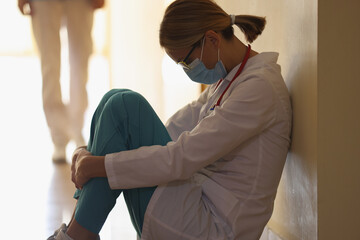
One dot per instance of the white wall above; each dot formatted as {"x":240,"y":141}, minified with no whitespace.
{"x":139,"y":63}
{"x":135,"y":53}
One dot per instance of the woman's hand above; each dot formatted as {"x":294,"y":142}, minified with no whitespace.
{"x":85,"y":166}
{"x":79,"y":175}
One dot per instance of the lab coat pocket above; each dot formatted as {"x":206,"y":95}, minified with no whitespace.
{"x":222,"y":199}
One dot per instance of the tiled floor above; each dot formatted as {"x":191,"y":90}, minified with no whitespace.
{"x":36,"y":196}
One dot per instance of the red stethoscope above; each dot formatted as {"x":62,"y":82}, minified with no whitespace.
{"x":236,"y":75}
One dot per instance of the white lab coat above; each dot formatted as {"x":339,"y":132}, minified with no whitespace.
{"x":218,"y":178}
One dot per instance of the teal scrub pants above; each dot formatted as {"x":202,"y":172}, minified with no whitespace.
{"x":124,"y":120}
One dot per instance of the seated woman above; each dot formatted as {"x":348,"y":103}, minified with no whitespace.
{"x":213,"y":171}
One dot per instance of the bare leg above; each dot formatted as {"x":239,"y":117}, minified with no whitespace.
{"x":77,"y":232}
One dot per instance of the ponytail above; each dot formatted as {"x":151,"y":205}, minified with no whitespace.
{"x":251,"y":26}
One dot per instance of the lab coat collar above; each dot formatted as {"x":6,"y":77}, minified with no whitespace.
{"x":257,"y":60}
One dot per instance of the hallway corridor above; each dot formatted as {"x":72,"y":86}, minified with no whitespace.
{"x":36,"y":195}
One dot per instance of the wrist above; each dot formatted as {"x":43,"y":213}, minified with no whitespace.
{"x":95,"y":166}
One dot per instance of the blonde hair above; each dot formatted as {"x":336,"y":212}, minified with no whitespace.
{"x":186,"y":21}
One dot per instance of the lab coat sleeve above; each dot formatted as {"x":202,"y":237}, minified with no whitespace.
{"x":186,"y":118}
{"x":248,"y":110}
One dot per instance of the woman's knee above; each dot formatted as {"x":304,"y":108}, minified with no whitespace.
{"x":129,"y":98}
{"x":126,"y":102}
{"x":109,"y":101}
{"x":111,"y":93}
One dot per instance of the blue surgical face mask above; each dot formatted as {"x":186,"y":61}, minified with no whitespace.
{"x":200,"y":74}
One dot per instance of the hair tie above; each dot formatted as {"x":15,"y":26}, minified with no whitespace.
{"x":232,"y":19}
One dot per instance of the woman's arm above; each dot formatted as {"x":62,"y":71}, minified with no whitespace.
{"x":186,"y":118}
{"x":245,"y":113}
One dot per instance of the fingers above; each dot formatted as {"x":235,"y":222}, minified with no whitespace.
{"x":78,"y":172}
{"x":79,"y":149}
{"x":80,"y":180}
{"x":73,"y":178}
{"x":79,"y":152}
{"x":73,"y":167}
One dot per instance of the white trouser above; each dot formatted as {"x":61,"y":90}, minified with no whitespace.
{"x":64,"y":121}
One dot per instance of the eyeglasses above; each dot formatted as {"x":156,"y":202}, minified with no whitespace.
{"x":183,"y":63}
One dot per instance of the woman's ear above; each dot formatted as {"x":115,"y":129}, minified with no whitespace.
{"x":213,"y":38}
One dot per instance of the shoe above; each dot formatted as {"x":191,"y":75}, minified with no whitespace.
{"x":62,"y":236}
{"x":59,"y":155}
{"x":63,"y":228}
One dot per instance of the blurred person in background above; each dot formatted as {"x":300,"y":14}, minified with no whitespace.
{"x":65,"y":120}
